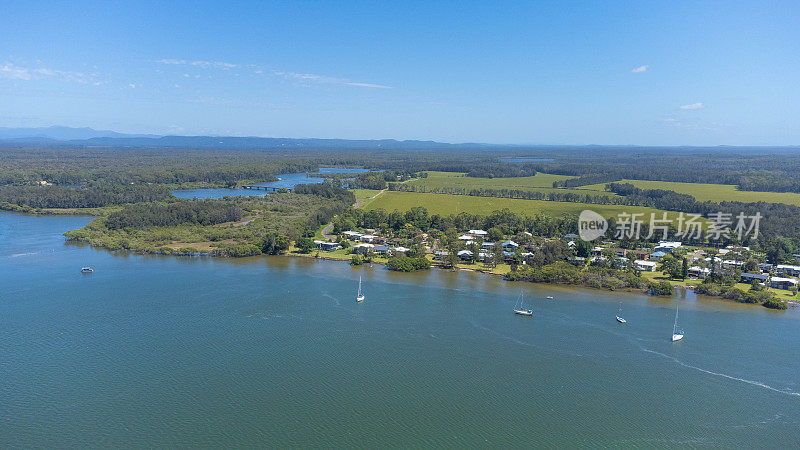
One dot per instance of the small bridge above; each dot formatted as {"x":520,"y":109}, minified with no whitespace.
{"x":265,"y":188}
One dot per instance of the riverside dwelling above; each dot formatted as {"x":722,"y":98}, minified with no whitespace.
{"x":510,"y":245}
{"x":381,"y":249}
{"x":783,"y":283}
{"x":785,"y":269}
{"x":698,"y":272}
{"x":464,"y":254}
{"x":400,"y":250}
{"x":352,"y":235}
{"x":759,"y":277}
{"x":645,"y":266}
{"x":363,"y":247}
{"x":327,"y":246}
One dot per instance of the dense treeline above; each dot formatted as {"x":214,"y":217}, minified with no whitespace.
{"x":341,"y":201}
{"x":91,"y":197}
{"x":201,"y":212}
{"x":418,"y":217}
{"x":553,"y":196}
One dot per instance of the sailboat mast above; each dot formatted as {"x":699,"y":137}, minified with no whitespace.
{"x":675,"y":325}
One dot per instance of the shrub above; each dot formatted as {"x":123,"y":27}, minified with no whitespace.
{"x":775,"y":304}
{"x":403,"y":263}
{"x":304,"y":244}
{"x":356,"y":260}
{"x":661,"y":288}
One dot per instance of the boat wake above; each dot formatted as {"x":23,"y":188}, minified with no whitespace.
{"x":722,"y":375}
{"x":335,"y":300}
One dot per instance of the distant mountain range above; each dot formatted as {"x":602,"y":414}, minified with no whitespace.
{"x":88,"y":137}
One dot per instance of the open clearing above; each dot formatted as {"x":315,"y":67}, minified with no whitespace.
{"x":541,"y":182}
{"x":444,"y":204}
{"x":710,"y":192}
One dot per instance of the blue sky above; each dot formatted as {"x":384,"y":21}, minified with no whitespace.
{"x":561,"y":72}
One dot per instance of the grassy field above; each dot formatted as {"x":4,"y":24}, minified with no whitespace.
{"x":542,"y":182}
{"x":453,"y":204}
{"x":711,"y":192}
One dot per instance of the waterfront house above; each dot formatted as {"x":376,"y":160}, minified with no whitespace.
{"x":368,"y":238}
{"x":645,"y":266}
{"x":363,"y":247}
{"x":465,"y":237}
{"x":400,"y":250}
{"x":381,"y":249}
{"x":488,"y":245}
{"x":441,"y":255}
{"x":750,"y":277}
{"x":785,"y":269}
{"x":510,"y":244}
{"x":464,"y":254}
{"x":783,"y":283}
{"x":656,"y":256}
{"x":327,"y":246}
{"x":477,"y":233}
{"x":352,"y":235}
{"x":698,"y":272}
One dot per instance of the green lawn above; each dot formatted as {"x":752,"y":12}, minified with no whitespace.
{"x":453,"y":204}
{"x":541,"y":182}
{"x":711,"y":192}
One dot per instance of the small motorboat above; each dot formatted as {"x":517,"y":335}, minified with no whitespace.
{"x":621,"y":320}
{"x":677,"y":336}
{"x":86,"y":270}
{"x":549,"y":297}
{"x":524,"y":312}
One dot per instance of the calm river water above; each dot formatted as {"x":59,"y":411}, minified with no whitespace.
{"x":152,"y":351}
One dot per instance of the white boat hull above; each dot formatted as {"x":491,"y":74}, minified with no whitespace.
{"x":523,"y":312}
{"x":360,"y":298}
{"x":621,"y":320}
{"x":677,"y":337}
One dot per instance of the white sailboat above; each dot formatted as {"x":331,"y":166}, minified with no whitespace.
{"x":677,"y":334}
{"x":519,"y":306}
{"x":620,"y":319}
{"x":360,"y":295}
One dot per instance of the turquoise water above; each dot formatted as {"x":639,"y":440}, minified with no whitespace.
{"x":286,"y":180}
{"x":274,"y":351}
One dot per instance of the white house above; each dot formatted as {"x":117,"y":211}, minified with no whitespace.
{"x":353,"y":235}
{"x":782,"y":283}
{"x":477,"y":233}
{"x":401,"y":249}
{"x":785,"y":269}
{"x":368,"y":237}
{"x":465,"y":254}
{"x":465,"y":237}
{"x":363,"y":247}
{"x":645,"y":266}
{"x":667,"y":246}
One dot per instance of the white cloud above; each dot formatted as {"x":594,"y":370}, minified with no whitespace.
{"x":303,"y":77}
{"x":203,"y":64}
{"x":640,"y":69}
{"x":14,"y":72}
{"x":697,"y":105}
{"x":322,"y":79}
{"x":132,"y":86}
